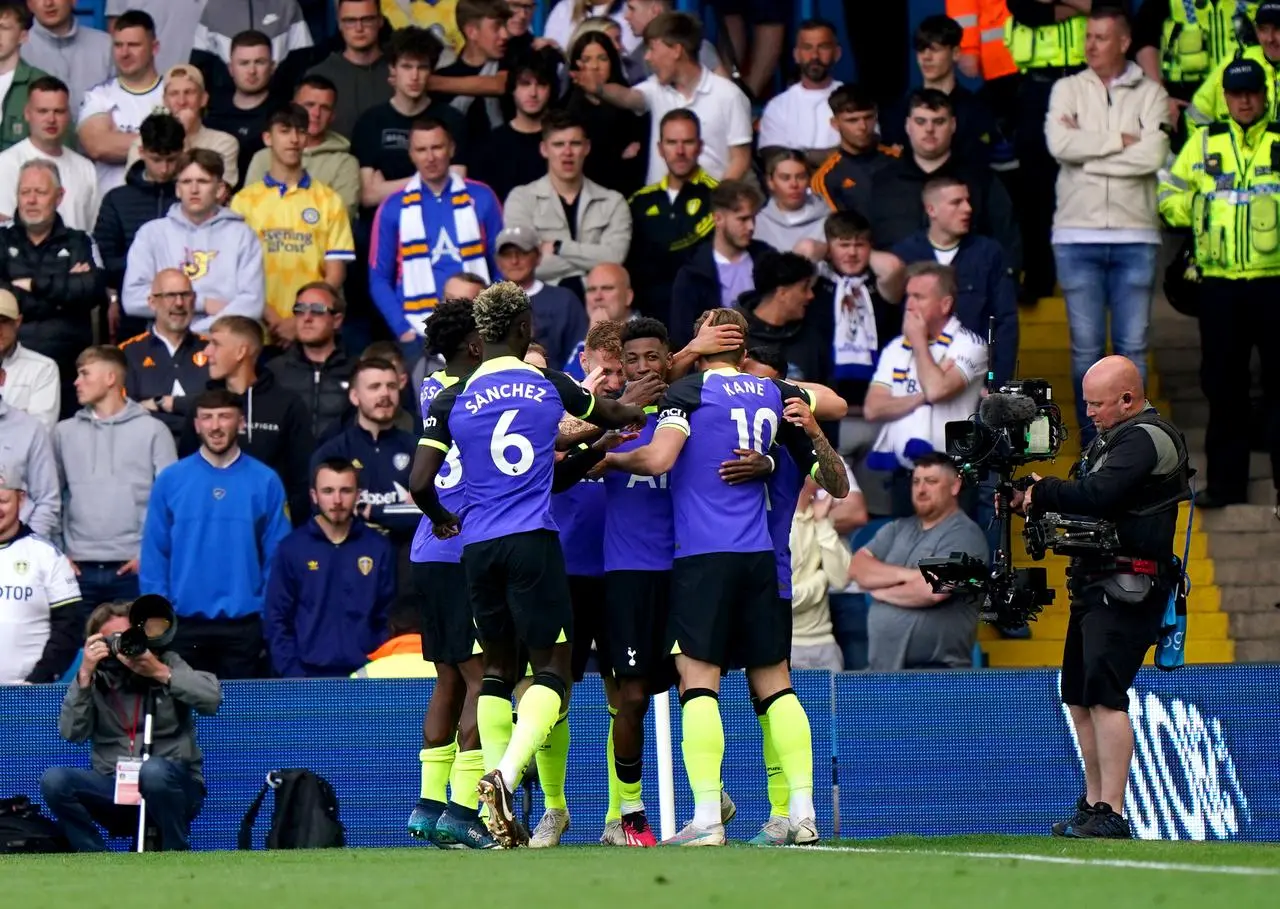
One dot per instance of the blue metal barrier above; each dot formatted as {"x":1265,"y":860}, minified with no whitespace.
{"x":923,"y":753}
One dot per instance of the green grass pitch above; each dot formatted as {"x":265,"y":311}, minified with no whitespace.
{"x":985,"y":872}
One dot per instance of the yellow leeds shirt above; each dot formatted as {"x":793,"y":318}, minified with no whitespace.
{"x":300,"y":227}
{"x":425,"y":14}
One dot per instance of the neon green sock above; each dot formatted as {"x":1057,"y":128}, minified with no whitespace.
{"x":493,"y":717}
{"x":436,"y":765}
{"x":539,"y":710}
{"x":703,"y":749}
{"x":553,"y":764}
{"x":614,"y":812}
{"x":468,"y":767}
{"x":789,"y":730}
{"x":778,"y":789}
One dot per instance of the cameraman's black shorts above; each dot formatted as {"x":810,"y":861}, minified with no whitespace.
{"x":1106,"y":644}
{"x":444,"y":607}
{"x":519,"y":589}
{"x":725,"y":610}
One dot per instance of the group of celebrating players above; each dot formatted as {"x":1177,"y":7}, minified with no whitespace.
{"x":699,"y":480}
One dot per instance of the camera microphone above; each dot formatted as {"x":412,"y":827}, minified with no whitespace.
{"x":998,"y":410}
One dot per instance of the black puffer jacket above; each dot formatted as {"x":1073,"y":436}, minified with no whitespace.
{"x":58,"y":302}
{"x":124,"y":210}
{"x":322,"y":386}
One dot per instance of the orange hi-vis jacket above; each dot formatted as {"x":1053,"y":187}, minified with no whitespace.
{"x":983,"y":25}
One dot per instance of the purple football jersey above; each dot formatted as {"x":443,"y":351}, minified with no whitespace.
{"x":579,"y":512}
{"x":720,"y":410}
{"x":426,"y":547}
{"x":638,"y":535}
{"x":783,"y":486}
{"x":504,"y":419}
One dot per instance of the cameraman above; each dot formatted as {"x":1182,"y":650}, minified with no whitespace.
{"x":106,"y":705}
{"x":1134,"y":475}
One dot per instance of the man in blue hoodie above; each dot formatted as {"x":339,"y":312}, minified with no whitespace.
{"x":332,"y":581}
{"x":213,"y":523}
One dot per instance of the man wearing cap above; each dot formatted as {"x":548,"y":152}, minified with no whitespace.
{"x":28,"y":380}
{"x":38,"y":594}
{"x":185,"y":98}
{"x":559,"y":319}
{"x":439,"y":225}
{"x":1225,"y":186}
{"x":1208,"y":104}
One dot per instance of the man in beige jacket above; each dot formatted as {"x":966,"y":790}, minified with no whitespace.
{"x":1107,"y":129}
{"x":582,"y":224}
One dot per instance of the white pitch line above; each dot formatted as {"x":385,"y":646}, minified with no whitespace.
{"x":1241,"y":870}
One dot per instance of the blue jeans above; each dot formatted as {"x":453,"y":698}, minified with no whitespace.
{"x":99,"y":584}
{"x":82,"y":799}
{"x":1102,"y":278}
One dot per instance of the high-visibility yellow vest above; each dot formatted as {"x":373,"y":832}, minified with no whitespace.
{"x":1225,"y":185}
{"x":1199,"y":36}
{"x":1056,"y":46}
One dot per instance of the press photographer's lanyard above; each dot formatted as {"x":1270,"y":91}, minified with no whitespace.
{"x":118,"y":707}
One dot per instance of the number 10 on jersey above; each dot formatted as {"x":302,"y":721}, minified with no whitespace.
{"x":763,"y":427}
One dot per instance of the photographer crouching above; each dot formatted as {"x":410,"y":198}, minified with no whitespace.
{"x":106,"y":705}
{"x":1133,"y":475}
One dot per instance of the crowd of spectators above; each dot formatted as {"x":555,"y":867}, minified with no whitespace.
{"x":221,"y":248}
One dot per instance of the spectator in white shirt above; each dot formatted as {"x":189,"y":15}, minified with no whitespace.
{"x":914,"y":395}
{"x":113,"y":111}
{"x":29,"y":381}
{"x":48,"y":116}
{"x":679,"y":80}
{"x":800,"y":117}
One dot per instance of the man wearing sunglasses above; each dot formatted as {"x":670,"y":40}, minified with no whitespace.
{"x":168,"y":359}
{"x":317,"y":367}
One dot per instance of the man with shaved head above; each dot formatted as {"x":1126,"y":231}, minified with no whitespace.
{"x":1134,"y":474}
{"x":609,"y":298}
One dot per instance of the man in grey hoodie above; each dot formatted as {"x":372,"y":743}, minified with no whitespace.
{"x":212,"y":245}
{"x":108,"y":456}
{"x":25,"y":448}
{"x":793,"y":219}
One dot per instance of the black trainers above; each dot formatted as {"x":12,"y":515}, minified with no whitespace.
{"x":1083,"y":812}
{"x":1102,"y":824}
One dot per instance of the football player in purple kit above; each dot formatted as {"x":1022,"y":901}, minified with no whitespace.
{"x":638,"y":549}
{"x":784,"y":483}
{"x":579,"y":512}
{"x":448,"y":633}
{"x":725,"y":610}
{"x":504,"y":419}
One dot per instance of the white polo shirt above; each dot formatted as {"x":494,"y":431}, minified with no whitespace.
{"x":80,"y":199}
{"x":723,"y":110}
{"x":799,"y":118}
{"x":127,"y":109}
{"x":30,"y":383}
{"x":35,"y":579}
{"x":927,"y":423}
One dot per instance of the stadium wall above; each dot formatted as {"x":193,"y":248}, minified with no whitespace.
{"x":926,"y":753}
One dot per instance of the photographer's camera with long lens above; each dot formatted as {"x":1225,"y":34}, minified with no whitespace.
{"x":152,"y":625}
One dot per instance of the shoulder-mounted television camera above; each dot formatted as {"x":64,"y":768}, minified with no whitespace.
{"x":1016,"y":423}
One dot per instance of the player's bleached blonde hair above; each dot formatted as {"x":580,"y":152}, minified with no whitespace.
{"x":497,"y":307}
